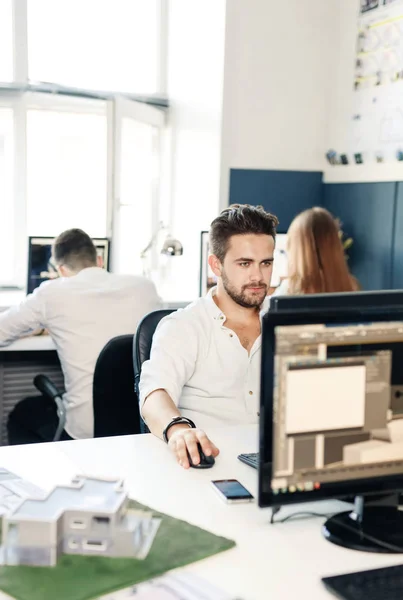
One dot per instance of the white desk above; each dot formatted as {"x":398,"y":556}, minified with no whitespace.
{"x":10,"y":298}
{"x":270,"y":562}
{"x":35,"y":343}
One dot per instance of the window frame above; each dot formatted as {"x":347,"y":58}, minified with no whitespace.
{"x":20,"y":98}
{"x":78,"y":523}
{"x":149,"y":115}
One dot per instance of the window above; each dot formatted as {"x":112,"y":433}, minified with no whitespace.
{"x":77,"y":481}
{"x":77,"y":524}
{"x":94,"y":545}
{"x":60,"y":163}
{"x":101,"y":521}
{"x":103,"y":45}
{"x":137,"y":141}
{"x":12,"y":533}
{"x":6,"y":40}
{"x":137,"y":193}
{"x":6,"y":193}
{"x":66,"y":172}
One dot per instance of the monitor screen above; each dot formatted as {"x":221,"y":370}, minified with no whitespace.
{"x":342,"y":300}
{"x":280,"y":265}
{"x":329,"y":426}
{"x":207,"y":277}
{"x":41,"y":267}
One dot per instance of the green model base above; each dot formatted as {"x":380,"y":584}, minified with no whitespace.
{"x":85,"y":577}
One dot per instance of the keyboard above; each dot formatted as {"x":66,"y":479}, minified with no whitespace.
{"x":251,"y":459}
{"x":376,"y":584}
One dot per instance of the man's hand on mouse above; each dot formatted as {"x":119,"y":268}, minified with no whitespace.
{"x":182,"y":440}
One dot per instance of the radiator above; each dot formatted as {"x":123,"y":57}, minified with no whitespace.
{"x":17,"y":371}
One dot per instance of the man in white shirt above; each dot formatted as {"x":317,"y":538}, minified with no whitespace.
{"x":82,"y":310}
{"x":205,"y":359}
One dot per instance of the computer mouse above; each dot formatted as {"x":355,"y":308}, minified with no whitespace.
{"x":206,"y":462}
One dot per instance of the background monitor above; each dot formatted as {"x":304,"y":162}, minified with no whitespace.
{"x":371,"y":299}
{"x":209,"y":280}
{"x":327,"y":424}
{"x":40,"y":266}
{"x":280,"y":265}
{"x":207,"y":277}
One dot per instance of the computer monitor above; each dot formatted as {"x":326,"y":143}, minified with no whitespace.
{"x":327,"y":424}
{"x":280,"y":265}
{"x":340,"y":301}
{"x":40,"y":266}
{"x":375,"y":300}
{"x":207,"y":278}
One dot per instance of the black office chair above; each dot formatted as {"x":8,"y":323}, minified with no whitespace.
{"x":142,"y":347}
{"x":48,"y":388}
{"x":143,"y":339}
{"x":116,"y":407}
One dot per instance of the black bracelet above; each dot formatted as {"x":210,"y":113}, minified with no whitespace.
{"x":177,"y":421}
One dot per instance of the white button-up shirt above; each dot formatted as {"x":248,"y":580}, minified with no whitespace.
{"x":203,"y":366}
{"x":82,"y":313}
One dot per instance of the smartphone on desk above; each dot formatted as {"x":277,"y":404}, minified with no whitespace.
{"x":231,"y":491}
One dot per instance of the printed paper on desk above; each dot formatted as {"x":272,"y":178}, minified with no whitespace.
{"x":181,"y":586}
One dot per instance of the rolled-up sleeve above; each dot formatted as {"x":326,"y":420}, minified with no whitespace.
{"x":172,"y":360}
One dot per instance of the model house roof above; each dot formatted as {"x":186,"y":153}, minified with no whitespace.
{"x":84,"y":494}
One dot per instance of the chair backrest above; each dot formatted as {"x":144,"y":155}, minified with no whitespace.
{"x":143,"y":340}
{"x":116,"y":407}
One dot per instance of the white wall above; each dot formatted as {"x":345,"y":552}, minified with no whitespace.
{"x":196,"y":33}
{"x":279,"y":58}
{"x":251,"y":85}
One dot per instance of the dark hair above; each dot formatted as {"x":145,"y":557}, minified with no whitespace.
{"x":239,"y":219}
{"x":75,"y":249}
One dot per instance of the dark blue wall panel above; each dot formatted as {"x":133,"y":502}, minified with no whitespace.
{"x":283,"y":193}
{"x":397,"y":257}
{"x":367,"y":211}
{"x":372,"y":213}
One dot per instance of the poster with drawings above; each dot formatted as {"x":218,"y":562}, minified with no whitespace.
{"x":376,"y":128}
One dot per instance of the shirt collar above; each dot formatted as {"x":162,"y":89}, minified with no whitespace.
{"x":217,"y":314}
{"x":212,"y":307}
{"x":91,"y":273}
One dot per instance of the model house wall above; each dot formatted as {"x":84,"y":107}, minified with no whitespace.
{"x":88,"y":517}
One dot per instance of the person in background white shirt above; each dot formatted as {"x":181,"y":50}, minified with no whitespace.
{"x":205,"y":359}
{"x":82,"y":310}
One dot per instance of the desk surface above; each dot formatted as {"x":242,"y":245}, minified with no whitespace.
{"x":270,"y":561}
{"x":33,"y":343}
{"x":10,"y":298}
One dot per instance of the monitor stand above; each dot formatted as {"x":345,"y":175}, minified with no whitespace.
{"x":373,"y":526}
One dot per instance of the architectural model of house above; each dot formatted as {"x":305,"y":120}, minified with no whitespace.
{"x":90,"y":516}
{"x":14,"y":489}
